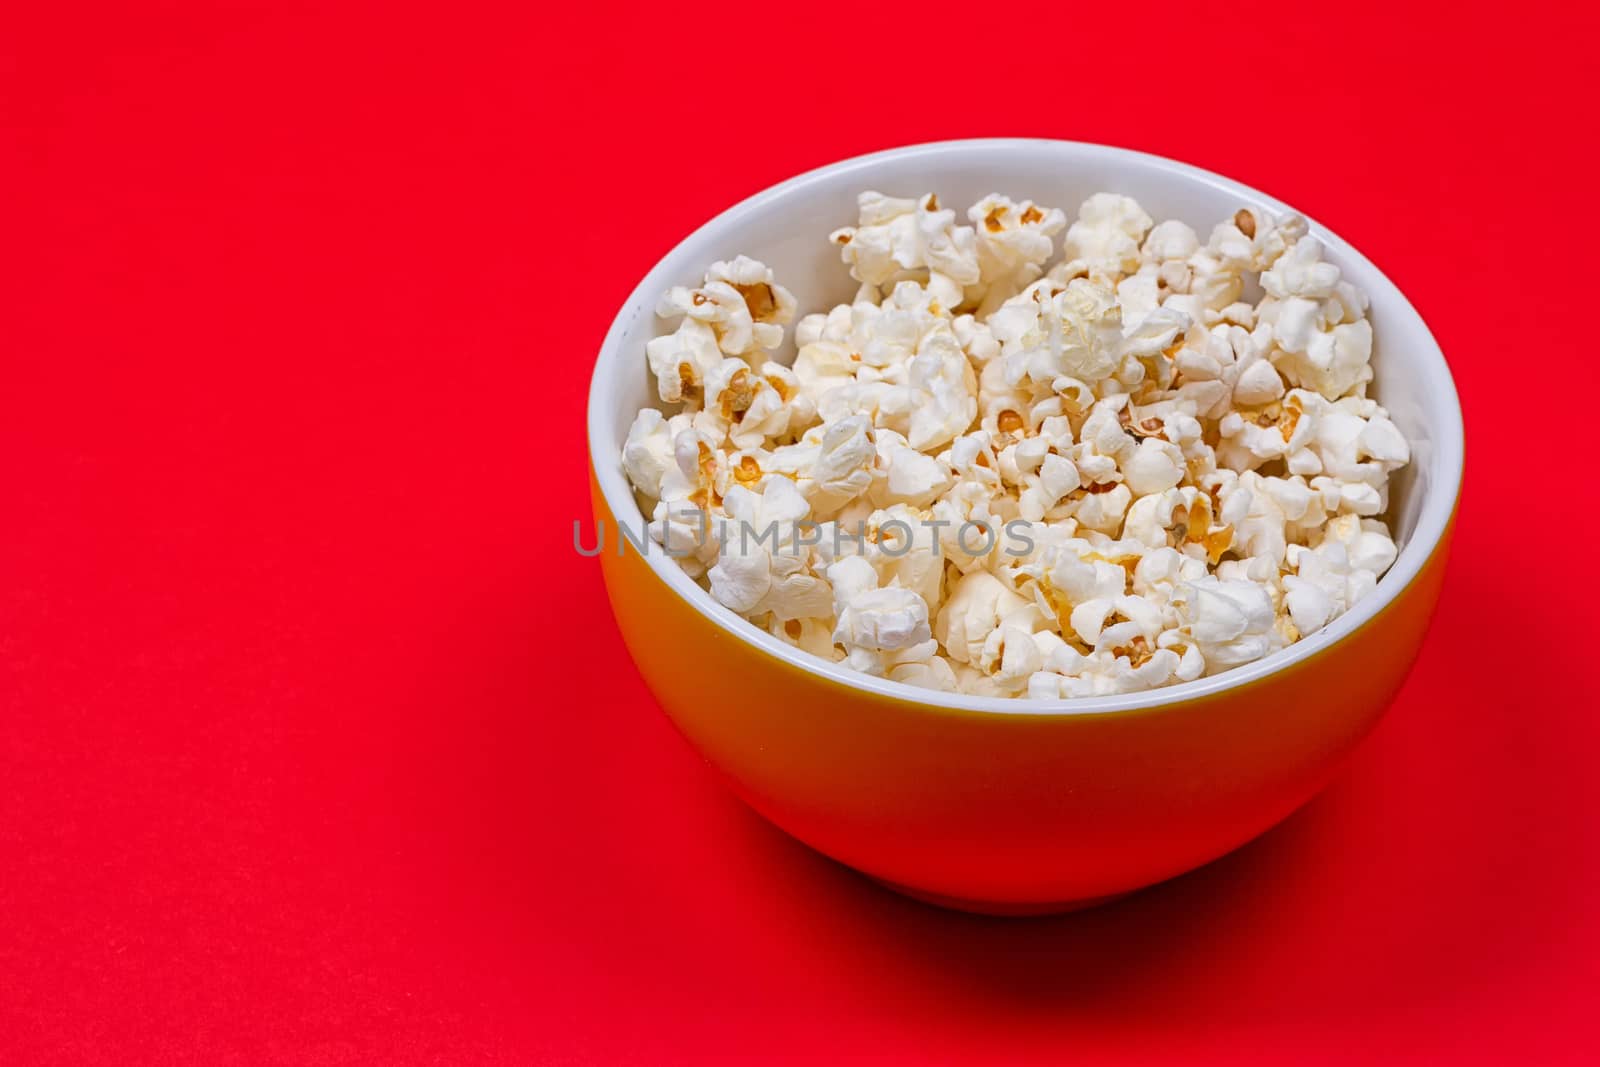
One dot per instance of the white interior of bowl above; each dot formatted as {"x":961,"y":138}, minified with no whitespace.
{"x":787,"y":226}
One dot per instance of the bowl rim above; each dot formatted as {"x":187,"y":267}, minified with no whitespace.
{"x":1433,"y":522}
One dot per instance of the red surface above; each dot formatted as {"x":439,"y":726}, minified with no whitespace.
{"x":318,"y":746}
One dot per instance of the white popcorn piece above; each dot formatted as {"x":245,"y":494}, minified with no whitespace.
{"x":973,"y":611}
{"x":1230,"y":622}
{"x":1140,"y":295}
{"x":1170,"y":242}
{"x":1333,"y":361}
{"x":1104,"y":241}
{"x":1253,"y":241}
{"x":907,"y":476}
{"x":1002,"y":407}
{"x":1150,"y":333}
{"x":1103,"y":510}
{"x":886,"y":335}
{"x":1257,"y":384}
{"x":1014,"y":241}
{"x":1317,"y":321}
{"x":822,"y":367}
{"x":1180,"y":518}
{"x":740,"y":301}
{"x":739,"y":310}
{"x":1010,"y":656}
{"x":753,"y":406}
{"x":1366,"y":541}
{"x":933,"y":673}
{"x":1072,"y":585}
{"x":809,"y":635}
{"x":1330,"y":578}
{"x":1161,"y":570}
{"x":1046,"y":485}
{"x":759,"y":568}
{"x":1074,"y":675}
{"x":681,"y":360}
{"x":1154,"y":467}
{"x":938,"y":400}
{"x":880,"y":628}
{"x":898,"y":239}
{"x":1301,"y":272}
{"x":832,"y":465}
{"x":1260,"y":532}
{"x":969,"y":524}
{"x":682,"y":520}
{"x":647,"y":453}
{"x":1049,"y":331}
{"x":905,"y":551}
{"x":1353,"y":440}
{"x":780,"y":410}
{"x":976,"y":338}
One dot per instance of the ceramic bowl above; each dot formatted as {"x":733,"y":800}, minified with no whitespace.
{"x":1014,"y":806}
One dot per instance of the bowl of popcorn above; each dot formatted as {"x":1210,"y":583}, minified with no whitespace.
{"x":1021,"y":522}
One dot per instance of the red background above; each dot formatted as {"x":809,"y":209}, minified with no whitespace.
{"x":319,"y":746}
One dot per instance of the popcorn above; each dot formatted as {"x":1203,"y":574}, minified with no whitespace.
{"x":938,"y":400}
{"x":992,"y":476}
{"x":1104,"y":241}
{"x":1252,"y":241}
{"x":832,"y":465}
{"x":681,"y":360}
{"x":1102,"y":674}
{"x":740,"y":310}
{"x":1071,"y":586}
{"x":897,"y":239}
{"x":907,"y":475}
{"x":973,"y":611}
{"x":1010,"y":657}
{"x":933,"y":673}
{"x":1259,"y":533}
{"x":810,"y":635}
{"x":1258,"y":383}
{"x":1344,"y":435}
{"x":1154,"y":467}
{"x":1331,"y":361}
{"x":741,"y":302}
{"x":754,"y":406}
{"x":1170,"y":242}
{"x":905,"y":551}
{"x":1104,"y":508}
{"x":1344,"y":567}
{"x":1230,"y":622}
{"x":1014,"y":241}
{"x":1048,"y":331}
{"x":879,"y":628}
{"x":1317,"y":322}
{"x":753,"y":577}
{"x":1052,"y":480}
{"x":647,"y":453}
{"x":822,"y":367}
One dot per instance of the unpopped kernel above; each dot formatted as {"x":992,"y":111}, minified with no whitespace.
{"x":994,"y":475}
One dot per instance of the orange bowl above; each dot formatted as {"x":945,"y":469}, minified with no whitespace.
{"x":995,"y":805}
